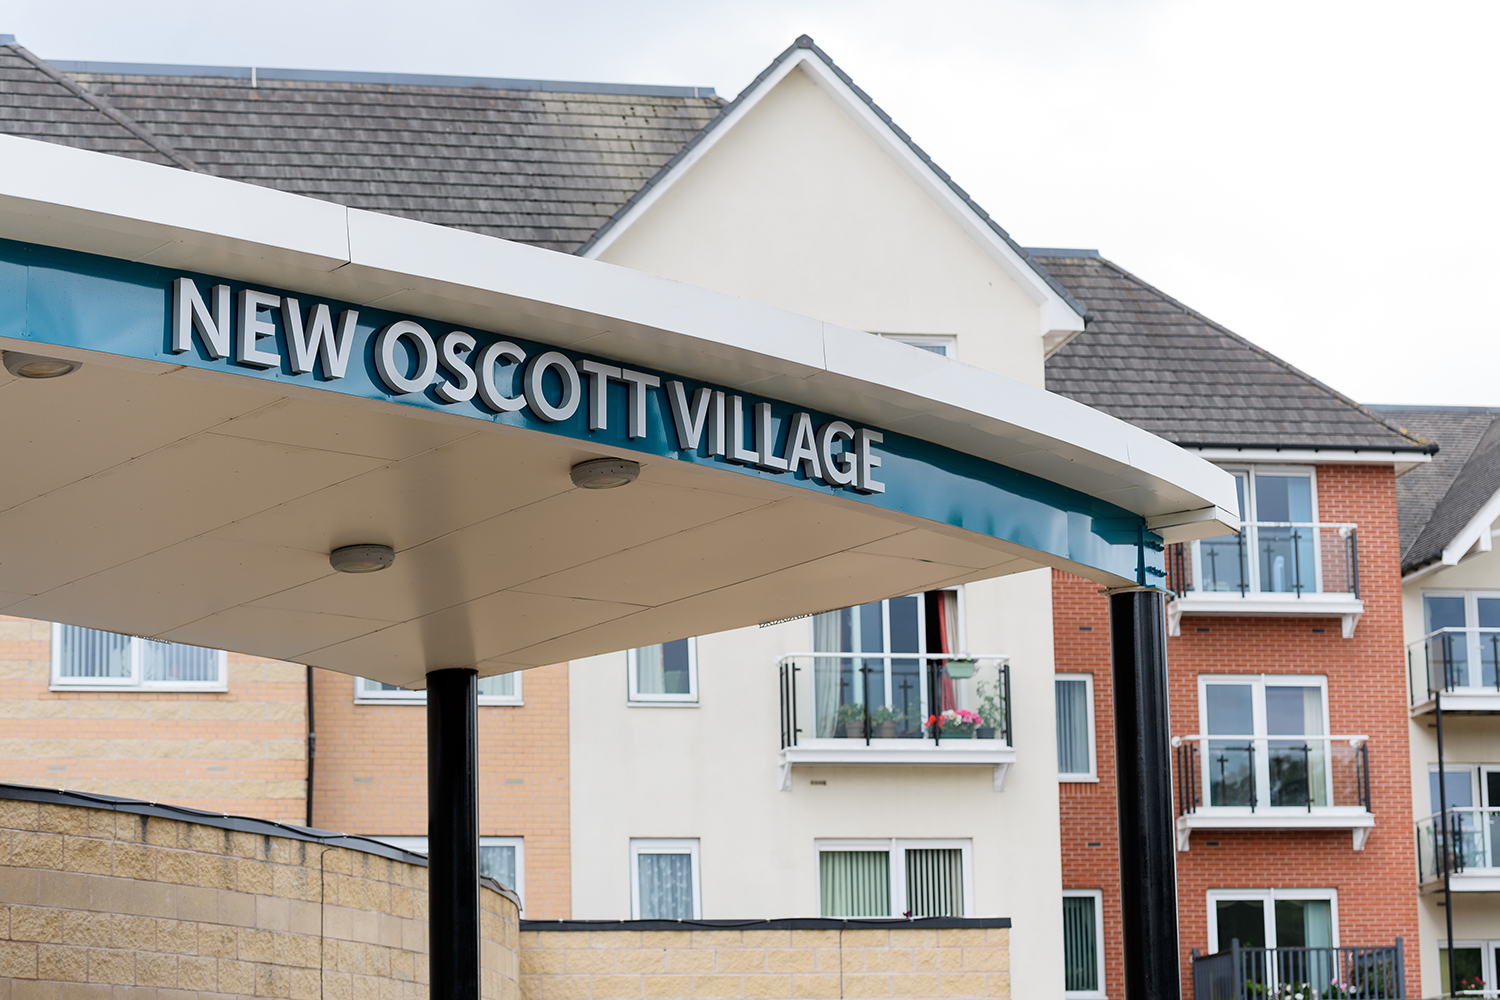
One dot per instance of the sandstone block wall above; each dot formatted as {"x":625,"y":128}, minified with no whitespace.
{"x":98,"y":904}
{"x":799,"y":959}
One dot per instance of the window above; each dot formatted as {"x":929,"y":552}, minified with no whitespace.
{"x":894,"y":878}
{"x":1474,"y":803}
{"x":500,"y":689}
{"x":89,"y":659}
{"x":666,"y":673}
{"x":1273,"y":918}
{"x":1075,"y":727}
{"x":1463,"y":635}
{"x":1281,"y":548}
{"x":664,"y":880}
{"x":501,"y":858}
{"x":1266,"y":741}
{"x":1477,"y":963}
{"x":945,"y":345}
{"x":1083,"y":943}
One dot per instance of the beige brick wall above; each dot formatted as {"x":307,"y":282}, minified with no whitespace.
{"x":765,"y":964}
{"x":100,"y":905}
{"x":242,"y":751}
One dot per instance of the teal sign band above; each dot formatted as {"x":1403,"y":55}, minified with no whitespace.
{"x":65,"y":298}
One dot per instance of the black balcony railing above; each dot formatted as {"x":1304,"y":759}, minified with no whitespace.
{"x":935,"y":698}
{"x":1453,"y":659}
{"x":1240,"y":973}
{"x":1307,"y":772}
{"x":1454,"y":842}
{"x":1268,"y":557}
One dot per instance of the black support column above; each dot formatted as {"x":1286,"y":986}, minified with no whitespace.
{"x":453,"y":833}
{"x":1143,"y":768}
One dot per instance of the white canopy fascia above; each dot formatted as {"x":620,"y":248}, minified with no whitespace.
{"x":97,"y":203}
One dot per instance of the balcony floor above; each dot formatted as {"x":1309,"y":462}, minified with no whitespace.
{"x":1356,"y":819}
{"x":898,"y":753}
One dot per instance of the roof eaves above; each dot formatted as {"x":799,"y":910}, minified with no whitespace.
{"x":1416,"y":443}
{"x":101,"y":105}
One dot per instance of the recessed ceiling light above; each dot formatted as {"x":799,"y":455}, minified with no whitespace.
{"x":361,"y":558}
{"x":605,"y":473}
{"x":35,"y":366}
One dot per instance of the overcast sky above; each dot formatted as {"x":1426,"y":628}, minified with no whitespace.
{"x":1319,"y":177}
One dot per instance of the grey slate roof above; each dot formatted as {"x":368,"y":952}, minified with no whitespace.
{"x":1436,"y":500}
{"x":1150,"y":360}
{"x":520,"y":160}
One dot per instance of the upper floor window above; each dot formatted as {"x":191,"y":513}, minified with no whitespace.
{"x":1075,"y":727}
{"x":664,"y":673}
{"x":501,"y":689}
{"x":87,"y":658}
{"x":1462,"y":638}
{"x":1083,"y":944}
{"x":1281,"y":548}
{"x":664,"y":880}
{"x":945,"y":345}
{"x":1275,"y":918}
{"x":1266,"y":740}
{"x":894,"y":878}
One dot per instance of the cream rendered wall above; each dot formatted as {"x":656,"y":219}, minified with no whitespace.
{"x":797,"y":207}
{"x":709,"y":772}
{"x":1466,"y":740}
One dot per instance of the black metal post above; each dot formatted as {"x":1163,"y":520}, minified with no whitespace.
{"x":1447,"y":835}
{"x":1143,"y":765}
{"x":453,"y":833}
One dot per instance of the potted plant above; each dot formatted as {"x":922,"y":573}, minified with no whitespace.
{"x":852,"y":718}
{"x":886,"y":722}
{"x":960,"y":668}
{"x":958,"y":724}
{"x":989,"y":708}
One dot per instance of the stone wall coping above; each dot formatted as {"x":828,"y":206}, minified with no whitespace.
{"x":774,"y":924}
{"x":224,"y":821}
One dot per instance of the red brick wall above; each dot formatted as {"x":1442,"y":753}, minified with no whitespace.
{"x":1377,"y":899}
{"x":370,"y":774}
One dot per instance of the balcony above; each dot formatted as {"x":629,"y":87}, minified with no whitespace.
{"x":1281,"y":568}
{"x":1459,"y":662}
{"x":1260,"y":783}
{"x":1376,"y":972}
{"x":1466,"y":850}
{"x":895,"y":709}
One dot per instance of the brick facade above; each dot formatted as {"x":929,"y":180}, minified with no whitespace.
{"x":370,"y":774}
{"x":1366,"y":695}
{"x":240,"y":751}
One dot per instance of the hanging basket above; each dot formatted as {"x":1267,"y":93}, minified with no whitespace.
{"x":960,"y":669}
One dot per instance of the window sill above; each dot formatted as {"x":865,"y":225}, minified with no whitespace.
{"x":1355,"y":819}
{"x":1345,"y":607}
{"x":422,"y":702}
{"x":141,"y":689}
{"x":632,"y":703}
{"x":899,"y":753}
{"x":1078,"y":779}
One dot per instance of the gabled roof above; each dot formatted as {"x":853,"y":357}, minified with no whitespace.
{"x":527,"y":160}
{"x":805,"y":54}
{"x":1438,"y":501}
{"x":1148,"y":359}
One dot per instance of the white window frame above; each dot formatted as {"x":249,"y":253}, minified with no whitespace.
{"x":1093,"y":772}
{"x":407,"y":696}
{"x":1252,"y":559}
{"x":652,"y":845}
{"x":1472,"y":639}
{"x":927,"y":341}
{"x":134,"y":681}
{"x":1487,"y":962}
{"x":418,"y":845}
{"x":1097,"y":896}
{"x":896,"y":849}
{"x":1259,"y":683}
{"x":1268,"y":898}
{"x":634,"y":697}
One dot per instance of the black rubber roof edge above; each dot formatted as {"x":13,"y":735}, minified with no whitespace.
{"x":1057,"y":252}
{"x":1418,"y":449}
{"x":776,"y":924}
{"x":224,"y":821}
{"x":378,"y":79}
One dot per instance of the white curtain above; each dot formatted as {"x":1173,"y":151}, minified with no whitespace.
{"x":1317,"y":766}
{"x":665,"y":882}
{"x":827,"y":672}
{"x":650,"y":670}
